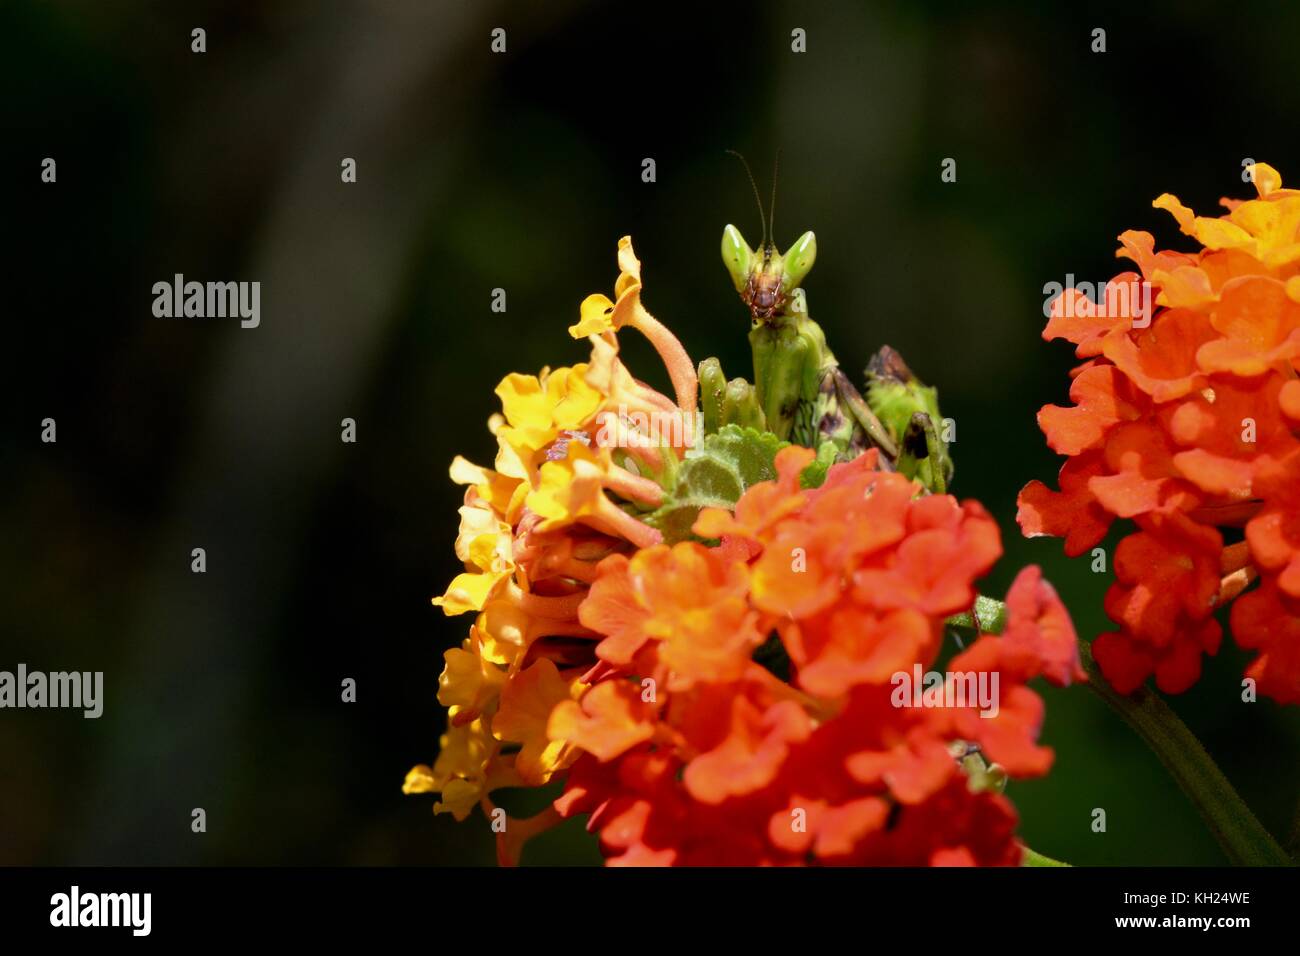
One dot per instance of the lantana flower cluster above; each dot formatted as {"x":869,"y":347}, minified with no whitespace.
{"x":1185,"y":423}
{"x":726,"y":696}
{"x":729,"y":764}
{"x":533,"y":532}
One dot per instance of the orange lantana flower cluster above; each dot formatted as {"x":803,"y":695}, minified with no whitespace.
{"x":695,"y":753}
{"x":1186,"y":422}
{"x":731,"y":695}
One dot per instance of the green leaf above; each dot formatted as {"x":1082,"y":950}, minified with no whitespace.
{"x":1031,"y":858}
{"x":715,"y":476}
{"x":815,"y":473}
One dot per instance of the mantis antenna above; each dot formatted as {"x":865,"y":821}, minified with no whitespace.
{"x":758,"y":200}
{"x":771,"y":215}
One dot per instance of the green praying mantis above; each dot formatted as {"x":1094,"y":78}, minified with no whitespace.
{"x":799,"y":392}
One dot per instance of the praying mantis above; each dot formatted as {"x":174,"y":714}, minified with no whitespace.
{"x":800,"y":393}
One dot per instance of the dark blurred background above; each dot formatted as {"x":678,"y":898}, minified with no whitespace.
{"x":520,"y":171}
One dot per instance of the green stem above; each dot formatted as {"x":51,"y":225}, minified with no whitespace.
{"x":1032,"y":858}
{"x":1238,"y":831}
{"x":1231,"y":821}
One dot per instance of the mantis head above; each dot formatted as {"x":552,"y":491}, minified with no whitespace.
{"x":766,"y":279}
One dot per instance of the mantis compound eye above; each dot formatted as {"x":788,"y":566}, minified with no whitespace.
{"x":736,"y":256}
{"x":799,"y":259}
